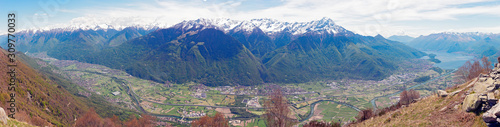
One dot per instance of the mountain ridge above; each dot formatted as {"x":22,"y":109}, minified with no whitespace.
{"x":469,"y":42}
{"x":268,"y":26}
{"x":401,"y":38}
{"x":232,"y":52}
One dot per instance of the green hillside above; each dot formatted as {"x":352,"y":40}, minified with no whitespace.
{"x":308,"y":58}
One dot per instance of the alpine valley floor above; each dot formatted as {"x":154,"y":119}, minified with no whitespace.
{"x":335,"y":100}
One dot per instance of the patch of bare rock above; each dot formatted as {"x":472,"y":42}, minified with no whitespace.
{"x":482,"y":97}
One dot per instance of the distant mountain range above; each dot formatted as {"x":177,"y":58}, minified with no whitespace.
{"x":401,"y":38}
{"x":469,"y":42}
{"x":227,"y":52}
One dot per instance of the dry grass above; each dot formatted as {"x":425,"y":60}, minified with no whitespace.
{"x":38,"y":95}
{"x":431,"y":111}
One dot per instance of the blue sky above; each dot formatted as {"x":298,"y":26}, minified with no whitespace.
{"x":367,"y":17}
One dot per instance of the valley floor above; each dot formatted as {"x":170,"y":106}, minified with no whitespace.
{"x":336,"y":100}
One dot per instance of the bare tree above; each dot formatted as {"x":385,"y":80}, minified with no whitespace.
{"x":486,"y":64}
{"x":475,"y":70}
{"x":407,"y":97}
{"x":463,"y":73}
{"x":413,"y":94}
{"x":277,"y":110}
{"x":404,"y":99}
{"x":471,"y":70}
{"x":364,"y":115}
{"x":321,"y":124}
{"x":90,"y":119}
{"x":217,"y":120}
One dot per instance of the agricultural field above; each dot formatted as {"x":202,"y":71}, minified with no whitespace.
{"x":99,"y":79}
{"x":336,"y":112}
{"x":193,"y":100}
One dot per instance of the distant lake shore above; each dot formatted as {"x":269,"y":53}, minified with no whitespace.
{"x":449,"y":60}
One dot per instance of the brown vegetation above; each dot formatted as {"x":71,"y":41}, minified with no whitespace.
{"x":431,"y":111}
{"x":217,"y":120}
{"x":364,"y":115}
{"x":407,"y":97}
{"x":144,"y":121}
{"x":92,"y":119}
{"x":277,"y":110}
{"x":37,"y":121}
{"x":322,"y":124}
{"x":385,"y":110}
{"x":38,"y":98}
{"x":470,"y":70}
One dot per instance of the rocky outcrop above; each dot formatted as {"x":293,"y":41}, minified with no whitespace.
{"x":491,"y":115}
{"x":482,"y":97}
{"x":487,"y":88}
{"x":442,"y":93}
{"x":3,"y":117}
{"x":471,"y":102}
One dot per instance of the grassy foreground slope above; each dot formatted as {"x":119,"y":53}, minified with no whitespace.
{"x":430,"y":111}
{"x":91,"y":99}
{"x":45,"y":98}
{"x":15,"y":123}
{"x":39,"y":100}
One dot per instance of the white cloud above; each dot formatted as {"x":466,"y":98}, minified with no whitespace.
{"x":492,"y":29}
{"x":367,"y":17}
{"x":67,"y":11}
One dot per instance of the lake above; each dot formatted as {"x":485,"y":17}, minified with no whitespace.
{"x":449,"y":60}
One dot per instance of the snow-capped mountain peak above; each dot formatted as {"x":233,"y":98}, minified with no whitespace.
{"x":269,"y":26}
{"x":219,"y":23}
{"x":466,"y":33}
{"x":101,"y":23}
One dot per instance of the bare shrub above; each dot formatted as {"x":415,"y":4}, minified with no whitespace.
{"x":217,"y":120}
{"x":37,"y":121}
{"x":277,"y":110}
{"x":90,"y":119}
{"x":471,"y":70}
{"x":407,"y":97}
{"x":414,"y":95}
{"x":364,"y":115}
{"x":404,"y":99}
{"x":321,"y":124}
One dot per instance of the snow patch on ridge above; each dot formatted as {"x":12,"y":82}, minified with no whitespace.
{"x":268,"y":26}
